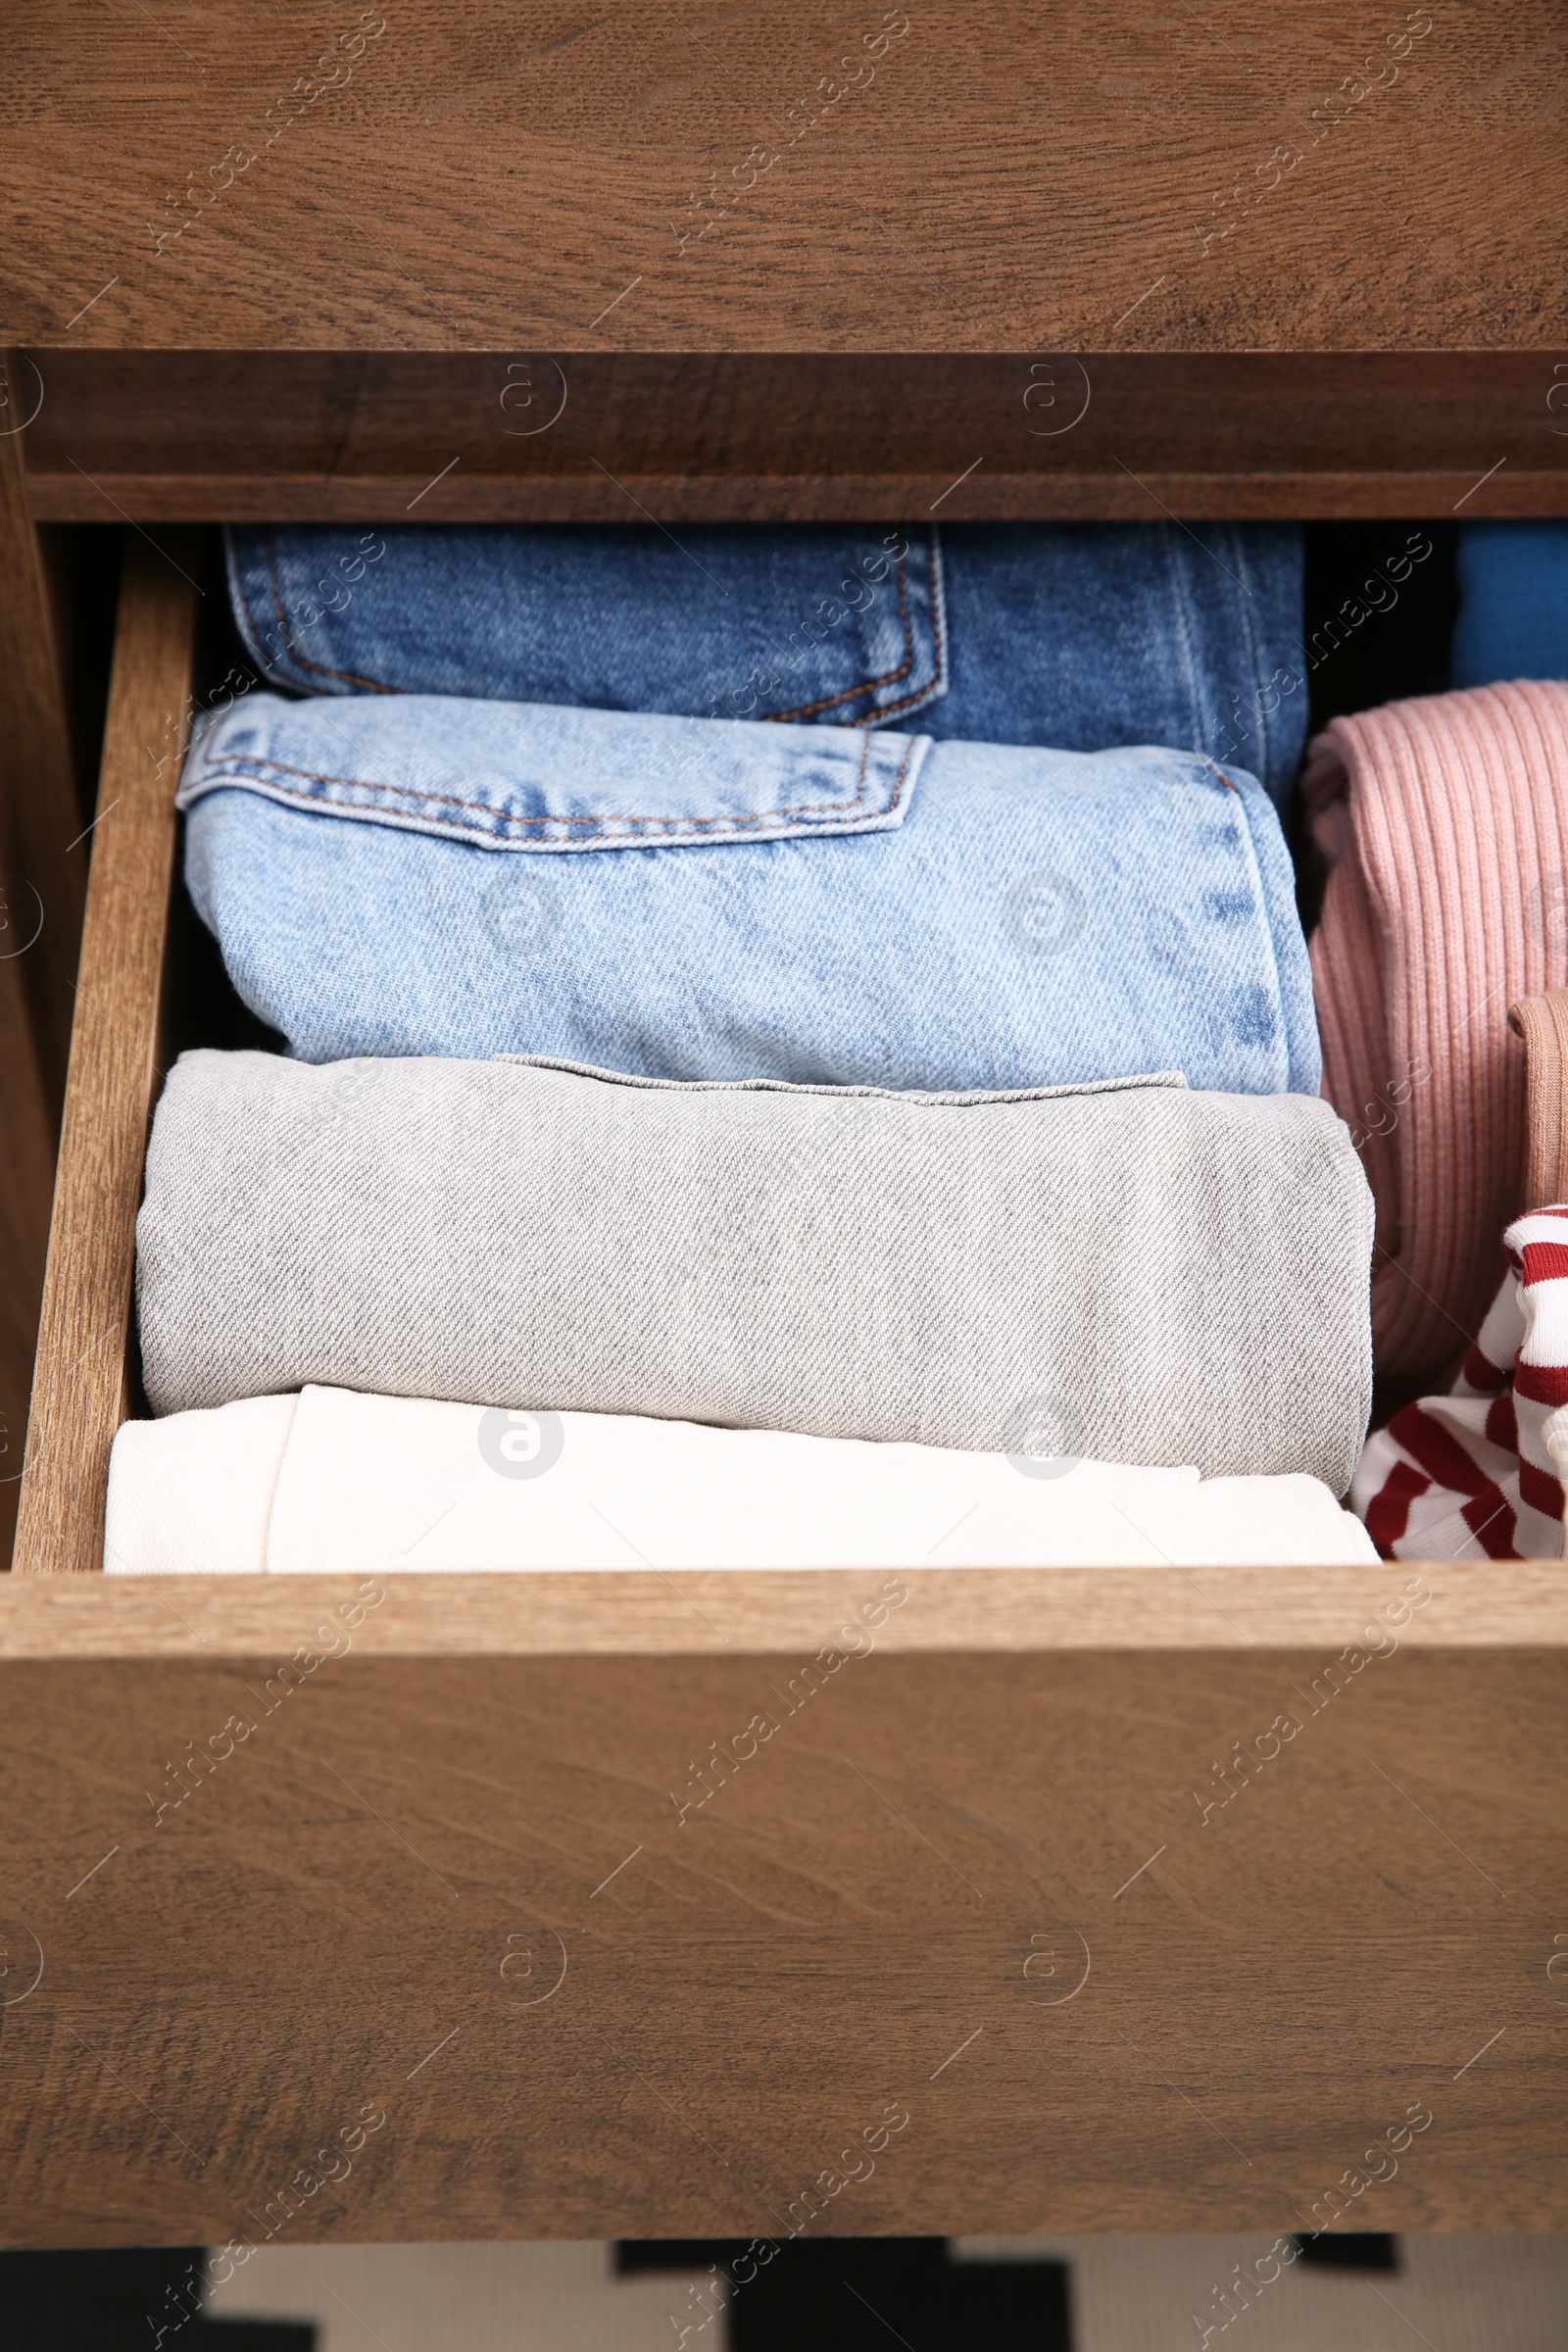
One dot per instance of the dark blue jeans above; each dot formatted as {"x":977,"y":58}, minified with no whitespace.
{"x":1072,"y":636}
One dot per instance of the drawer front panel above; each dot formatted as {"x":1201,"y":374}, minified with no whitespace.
{"x":605,"y":1956}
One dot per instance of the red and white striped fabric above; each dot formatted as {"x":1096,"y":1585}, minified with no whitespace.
{"x":1477,"y":1474}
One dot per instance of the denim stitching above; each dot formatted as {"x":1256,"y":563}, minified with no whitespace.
{"x":307,"y":800}
{"x":1284,"y":1052}
{"x":321,"y":668}
{"x":889,"y":678}
{"x":236,"y":763}
{"x":349,"y":678}
{"x":1252,"y":652}
{"x":1179,"y":593}
{"x":409,"y":792}
{"x":922,"y":692}
{"x":248,"y":628}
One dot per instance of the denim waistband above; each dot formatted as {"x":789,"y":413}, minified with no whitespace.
{"x":519,"y":776}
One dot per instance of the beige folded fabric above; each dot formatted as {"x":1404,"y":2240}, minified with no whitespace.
{"x":1160,"y":1275}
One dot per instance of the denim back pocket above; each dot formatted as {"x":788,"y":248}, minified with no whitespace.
{"x":827,"y":624}
{"x":530,"y":776}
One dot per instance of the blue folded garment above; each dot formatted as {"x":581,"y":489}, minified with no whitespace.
{"x":698,"y":899}
{"x":1513,"y":603}
{"x":1083,"y":636}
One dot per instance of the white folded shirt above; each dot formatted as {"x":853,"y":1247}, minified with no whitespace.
{"x":334,"y":1480}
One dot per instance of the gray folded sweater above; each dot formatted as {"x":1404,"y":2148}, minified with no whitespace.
{"x":1129,"y":1271}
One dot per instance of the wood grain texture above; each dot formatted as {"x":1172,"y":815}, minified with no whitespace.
{"x":1514,"y":1605}
{"x":565,"y":435}
{"x":40,"y":823}
{"x":79,"y":1382}
{"x":27,"y":1181}
{"x":43,"y":867}
{"x":457,"y":1893}
{"x":1106,"y":177}
{"x":990,"y":1876}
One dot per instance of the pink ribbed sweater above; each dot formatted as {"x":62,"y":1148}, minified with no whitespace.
{"x":1446,"y":823}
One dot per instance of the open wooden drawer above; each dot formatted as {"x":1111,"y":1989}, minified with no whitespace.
{"x":1026,"y":1920}
{"x":1022,"y":1920}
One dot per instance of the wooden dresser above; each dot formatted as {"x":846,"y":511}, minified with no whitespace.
{"x":686,"y":261}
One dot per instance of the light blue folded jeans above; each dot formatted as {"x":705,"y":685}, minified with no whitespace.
{"x":698,"y":899}
{"x":1083,"y":636}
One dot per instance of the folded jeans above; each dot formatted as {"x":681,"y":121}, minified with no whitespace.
{"x":1082,"y":636}
{"x":710,"y":899}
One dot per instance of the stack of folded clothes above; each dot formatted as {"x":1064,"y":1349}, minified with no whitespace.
{"x":721,"y":1128}
{"x":1444,"y":825}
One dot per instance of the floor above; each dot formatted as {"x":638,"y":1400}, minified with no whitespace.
{"x":1137,"y":2295}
